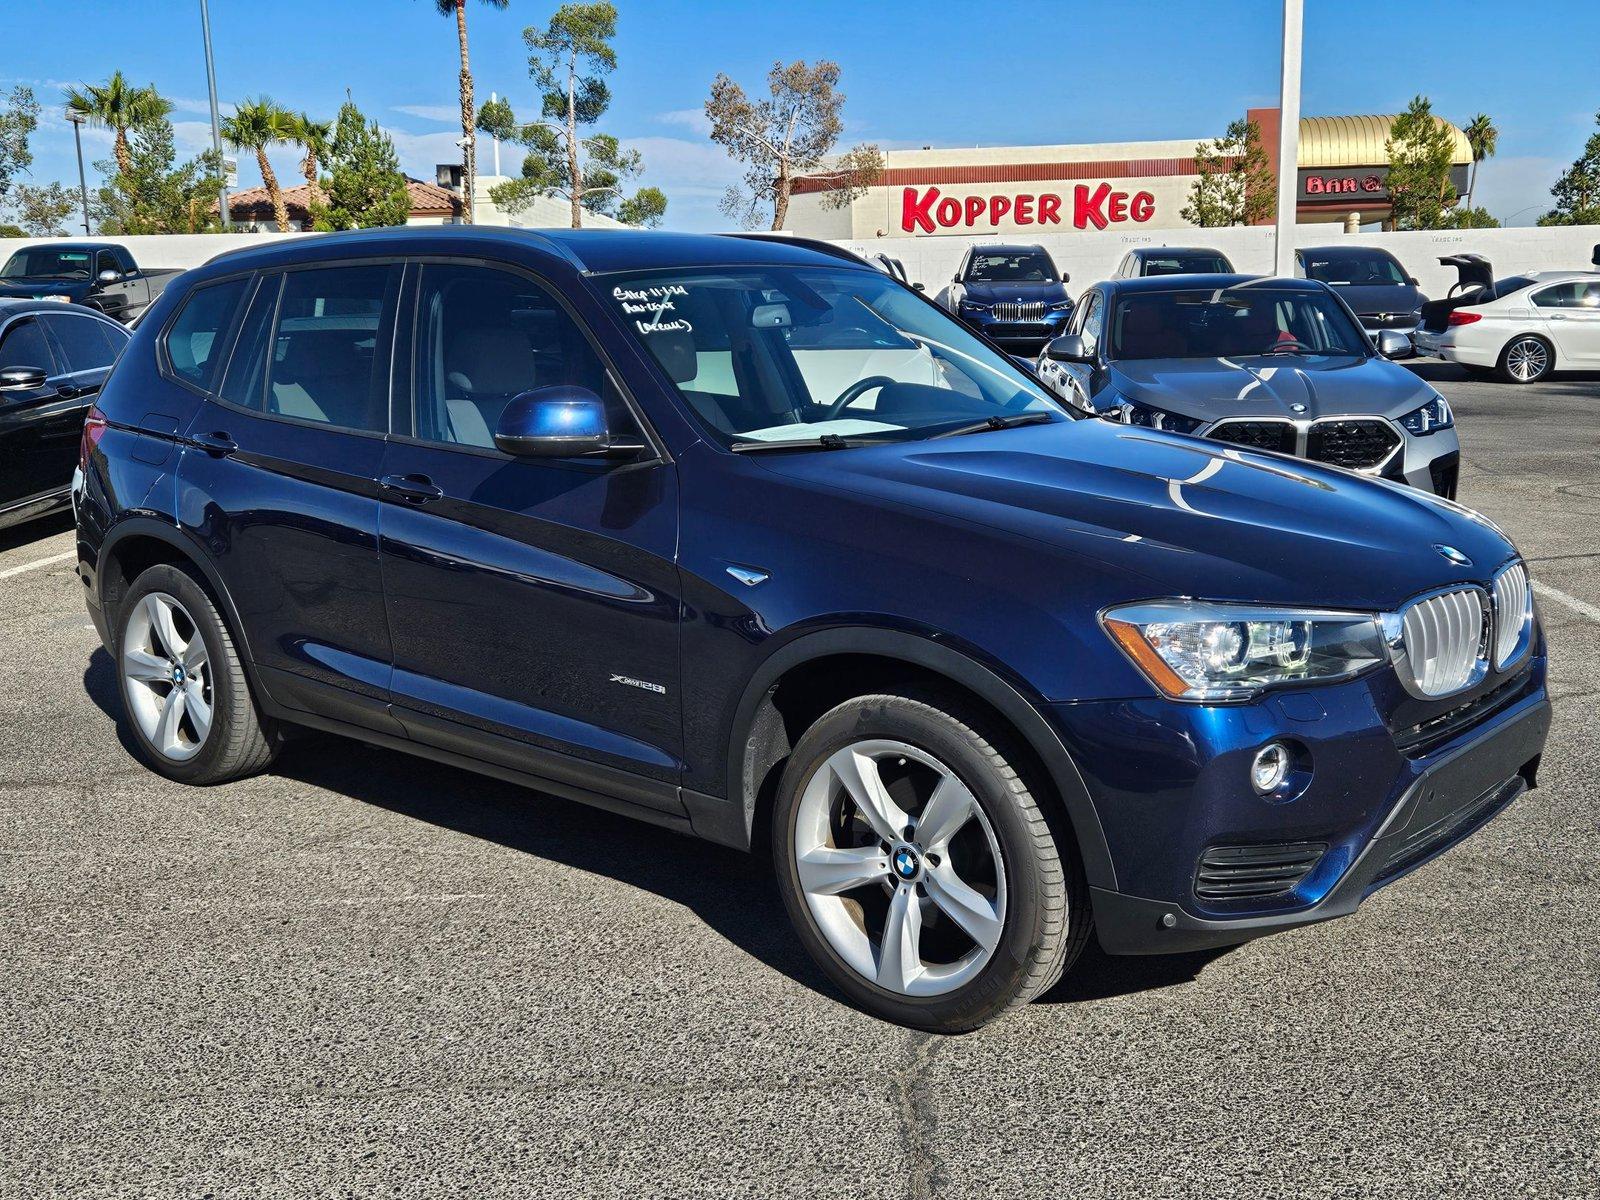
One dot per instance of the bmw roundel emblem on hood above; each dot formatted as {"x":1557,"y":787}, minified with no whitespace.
{"x":1299,"y":408}
{"x":1454,"y":555}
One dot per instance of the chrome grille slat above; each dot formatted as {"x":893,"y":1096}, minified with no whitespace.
{"x":1513,"y":596}
{"x":1444,"y":640}
{"x":1019,"y":312}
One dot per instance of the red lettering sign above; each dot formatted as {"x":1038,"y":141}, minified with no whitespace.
{"x":926,"y":210}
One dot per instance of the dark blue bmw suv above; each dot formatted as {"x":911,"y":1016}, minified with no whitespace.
{"x":749,"y":540}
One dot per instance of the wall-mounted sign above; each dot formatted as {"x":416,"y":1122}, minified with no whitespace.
{"x":926,"y":210}
{"x":1368,"y":185}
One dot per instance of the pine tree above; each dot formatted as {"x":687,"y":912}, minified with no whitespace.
{"x":1421,"y":153}
{"x":1236,"y":184}
{"x":1577,"y":192}
{"x":365,"y":187}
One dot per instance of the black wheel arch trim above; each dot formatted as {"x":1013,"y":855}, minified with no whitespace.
{"x":962,"y":669}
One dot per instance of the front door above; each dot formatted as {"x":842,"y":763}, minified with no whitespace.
{"x":534,"y":603}
{"x":281,"y":482}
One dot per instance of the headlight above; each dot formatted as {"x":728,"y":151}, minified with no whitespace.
{"x":1155,"y":418}
{"x":1061,"y":306}
{"x":974,"y":305}
{"x":1431,"y":417}
{"x":1191,"y":650}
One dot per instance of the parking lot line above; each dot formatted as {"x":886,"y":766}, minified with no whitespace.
{"x":42,"y":562}
{"x":1582,"y":607}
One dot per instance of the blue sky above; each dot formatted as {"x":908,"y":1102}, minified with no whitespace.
{"x":917,"y":72}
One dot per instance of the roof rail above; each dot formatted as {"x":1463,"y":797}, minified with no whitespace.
{"x":789,"y":239}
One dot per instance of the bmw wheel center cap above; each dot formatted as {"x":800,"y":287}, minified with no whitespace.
{"x":906,"y":863}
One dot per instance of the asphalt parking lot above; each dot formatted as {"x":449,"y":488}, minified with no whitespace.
{"x":367,"y":975}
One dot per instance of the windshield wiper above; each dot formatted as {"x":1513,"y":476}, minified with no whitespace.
{"x":997,"y":422}
{"x":828,"y":441}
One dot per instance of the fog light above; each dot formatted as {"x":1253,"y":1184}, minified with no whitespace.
{"x":1270,"y":768}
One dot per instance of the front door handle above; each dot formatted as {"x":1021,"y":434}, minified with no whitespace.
{"x":67,"y":392}
{"x":418,"y":489}
{"x":216,"y":443}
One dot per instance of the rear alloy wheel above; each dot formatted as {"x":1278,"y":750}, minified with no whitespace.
{"x":918,"y":869}
{"x":183,"y":684}
{"x":1527,"y":360}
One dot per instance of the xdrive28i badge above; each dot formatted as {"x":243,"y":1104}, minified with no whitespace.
{"x":1454,"y":555}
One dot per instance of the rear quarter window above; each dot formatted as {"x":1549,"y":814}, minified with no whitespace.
{"x":194,"y":343}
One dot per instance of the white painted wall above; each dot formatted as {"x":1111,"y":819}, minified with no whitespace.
{"x":166,"y":250}
{"x":1091,"y":257}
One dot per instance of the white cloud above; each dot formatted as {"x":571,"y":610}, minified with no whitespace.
{"x":420,"y":153}
{"x":450,"y":113}
{"x":692,"y":119}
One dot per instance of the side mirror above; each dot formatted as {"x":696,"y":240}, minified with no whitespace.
{"x":919,"y":287}
{"x":1066,"y":277}
{"x":1393,"y":344}
{"x":22,"y":379}
{"x":1070,"y":348}
{"x":109,"y":276}
{"x":558,"y":422}
{"x":1412,"y":280}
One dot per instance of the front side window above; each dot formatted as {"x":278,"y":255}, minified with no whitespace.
{"x":1237,"y":322}
{"x":323,"y":363}
{"x":86,"y":343}
{"x":485,"y":335}
{"x":106,"y":261}
{"x":1094,"y":320}
{"x":791,"y":354}
{"x":1356,"y":270}
{"x":24,"y":346}
{"x":1031,"y":266}
{"x":194,"y":341}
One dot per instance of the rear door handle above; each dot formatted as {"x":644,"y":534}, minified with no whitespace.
{"x":67,"y":392}
{"x":1558,"y":316}
{"x":418,"y":489}
{"x":217,"y":444}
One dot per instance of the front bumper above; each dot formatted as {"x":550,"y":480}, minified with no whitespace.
{"x":1017,"y":336}
{"x":1169,"y":789}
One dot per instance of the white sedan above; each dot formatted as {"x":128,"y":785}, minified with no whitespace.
{"x":1522,"y":327}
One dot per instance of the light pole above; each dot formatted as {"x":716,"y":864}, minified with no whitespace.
{"x":77,"y":119}
{"x":1288,"y":139}
{"x":216,"y":125}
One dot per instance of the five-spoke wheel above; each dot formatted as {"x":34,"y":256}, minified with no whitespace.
{"x":166,"y":675}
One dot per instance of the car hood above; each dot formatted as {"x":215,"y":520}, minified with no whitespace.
{"x":1129,"y":514}
{"x":1364,"y":299}
{"x":29,"y":289}
{"x":1276,"y":385}
{"x":1049,"y":291}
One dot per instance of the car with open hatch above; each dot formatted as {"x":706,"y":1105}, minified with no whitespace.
{"x":1277,"y":365}
{"x":747,"y":539}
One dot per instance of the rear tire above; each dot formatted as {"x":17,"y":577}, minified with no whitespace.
{"x":955,"y":830}
{"x":183,"y":685}
{"x":1527,"y":359}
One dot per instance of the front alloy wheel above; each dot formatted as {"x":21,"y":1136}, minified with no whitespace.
{"x":918,"y":868}
{"x":167,"y":677}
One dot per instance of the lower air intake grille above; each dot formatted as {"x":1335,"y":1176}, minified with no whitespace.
{"x":1254,"y":872}
{"x":1257,"y":435}
{"x":1352,"y":444}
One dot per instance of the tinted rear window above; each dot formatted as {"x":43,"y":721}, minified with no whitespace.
{"x":196,"y":338}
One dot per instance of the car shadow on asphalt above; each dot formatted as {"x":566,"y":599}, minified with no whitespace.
{"x":733,"y":893}
{"x":30,"y":532}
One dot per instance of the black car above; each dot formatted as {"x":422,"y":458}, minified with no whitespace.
{"x":53,"y":361}
{"x":1172,"y":260}
{"x":1014,"y":294}
{"x":1381,"y":292}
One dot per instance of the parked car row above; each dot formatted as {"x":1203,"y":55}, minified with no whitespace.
{"x":747,"y":539}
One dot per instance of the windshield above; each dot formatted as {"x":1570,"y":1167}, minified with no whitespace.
{"x":45,"y":262}
{"x":1032,"y":266}
{"x":1356,"y":270}
{"x":787,"y":354}
{"x":1232,"y":323}
{"x":1187,"y":264}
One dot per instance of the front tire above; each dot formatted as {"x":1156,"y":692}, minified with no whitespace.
{"x":183,"y":685}
{"x":1527,"y":359}
{"x":918,"y":867}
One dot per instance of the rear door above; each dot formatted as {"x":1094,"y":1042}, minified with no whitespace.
{"x":38,"y":439}
{"x":281,"y":481}
{"x":534,"y":603}
{"x":1571,"y":313}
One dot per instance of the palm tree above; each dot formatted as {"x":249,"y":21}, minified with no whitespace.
{"x":313,"y":137}
{"x":118,"y":106}
{"x":1482,"y":137}
{"x":469,"y":149}
{"x":255,"y":125}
